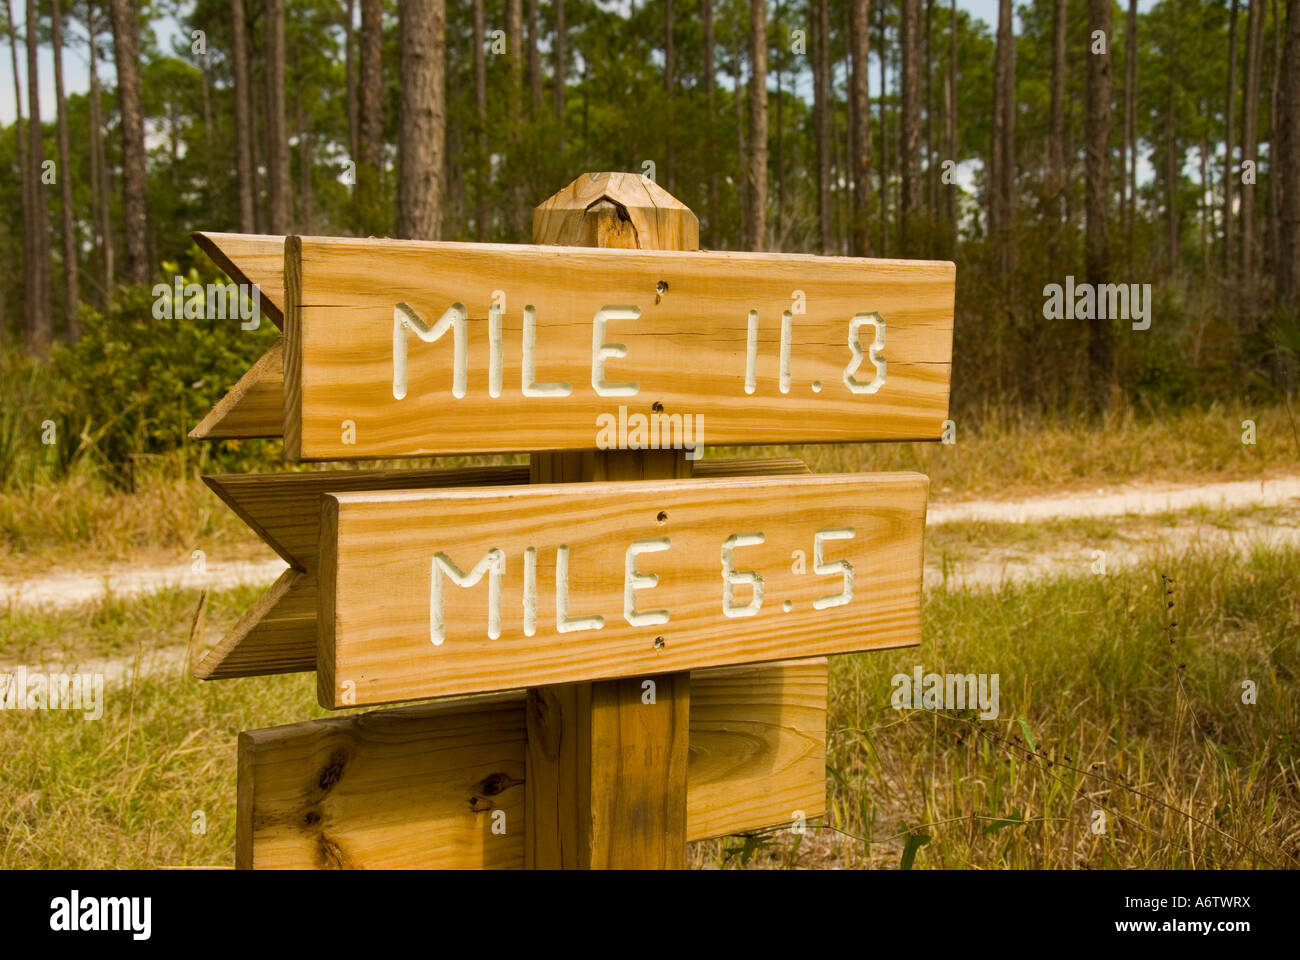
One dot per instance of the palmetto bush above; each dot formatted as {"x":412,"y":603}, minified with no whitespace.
{"x":130,"y":389}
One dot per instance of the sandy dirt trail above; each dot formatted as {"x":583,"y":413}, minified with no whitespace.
{"x":69,"y":587}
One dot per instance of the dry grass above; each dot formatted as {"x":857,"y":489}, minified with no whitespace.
{"x":1004,"y":454}
{"x":1130,"y":707}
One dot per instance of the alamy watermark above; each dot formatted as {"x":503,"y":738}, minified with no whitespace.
{"x":658,"y":431}
{"x":1098,"y":301}
{"x":212,"y":301}
{"x":946,"y":691}
{"x":34,"y":690}
{"x":75,"y":913}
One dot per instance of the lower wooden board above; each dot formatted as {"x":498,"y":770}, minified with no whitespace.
{"x":419,"y":787}
{"x":443,"y":592}
{"x":278,"y":633}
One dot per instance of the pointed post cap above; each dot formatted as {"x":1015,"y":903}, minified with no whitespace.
{"x":616,"y":210}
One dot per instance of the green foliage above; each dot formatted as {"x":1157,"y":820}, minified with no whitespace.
{"x":619,"y":113}
{"x":136,"y":385}
{"x":132,"y":387}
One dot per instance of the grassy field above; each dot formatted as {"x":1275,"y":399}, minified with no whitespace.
{"x":1120,"y":694}
{"x":80,"y":520}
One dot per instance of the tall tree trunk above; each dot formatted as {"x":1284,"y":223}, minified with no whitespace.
{"x":668,"y":91}
{"x":277,"y":131}
{"x":757,"y":124}
{"x":1275,"y":158}
{"x":516,"y":215}
{"x":423,"y":121}
{"x":71,"y":290}
{"x":1009,"y":138}
{"x":885,"y":153}
{"x":482,"y":173}
{"x":927,"y":65}
{"x":951,"y":194}
{"x":1097,"y":187}
{"x":25,"y":175}
{"x":845,"y":158}
{"x":306,"y":195}
{"x":821,"y":123}
{"x":1056,"y":179}
{"x":97,"y":190}
{"x":453,"y":204}
{"x":244,"y":174}
{"x":257,"y":133}
{"x":1230,"y":133}
{"x":559,"y":70}
{"x":1206,"y":207}
{"x":135,"y":219}
{"x":174,"y":142}
{"x":910,"y":144}
{"x":1288,"y":153}
{"x":534,"y":63}
{"x":1130,"y":126}
{"x":1003,"y":91}
{"x":370,"y":215}
{"x":1173,"y":162}
{"x":206,"y":96}
{"x":710,"y":119}
{"x":350,"y":60}
{"x":99,"y":166}
{"x":779,"y":140}
{"x":840,"y":196}
{"x":860,"y":38}
{"x":39,"y":323}
{"x":1250,"y":153}
{"x":742,"y":151}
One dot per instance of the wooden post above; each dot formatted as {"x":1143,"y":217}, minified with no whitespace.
{"x":607,"y":769}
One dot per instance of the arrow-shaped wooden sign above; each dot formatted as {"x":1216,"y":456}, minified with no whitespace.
{"x":501,"y":587}
{"x":561,"y":348}
{"x":254,"y":405}
{"x":278,"y":633}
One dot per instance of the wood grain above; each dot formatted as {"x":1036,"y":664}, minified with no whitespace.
{"x":758,"y":746}
{"x":415,"y":787}
{"x":273,"y":636}
{"x":640,"y":757}
{"x":254,"y":405}
{"x":654,"y":218}
{"x":278,"y":633}
{"x":250,"y":258}
{"x":284,"y":508}
{"x":580,"y":813}
{"x":558,"y":815}
{"x":291,"y":405}
{"x":386,"y":790}
{"x":687,"y":353}
{"x":386,"y":543}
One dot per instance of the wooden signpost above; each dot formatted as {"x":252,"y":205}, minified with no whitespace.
{"x":423,"y":347}
{"x":496,"y":589}
{"x":642,"y":631}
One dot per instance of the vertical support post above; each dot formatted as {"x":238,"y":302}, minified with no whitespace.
{"x":607,"y":761}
